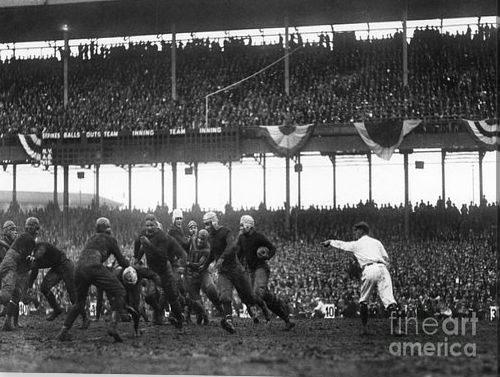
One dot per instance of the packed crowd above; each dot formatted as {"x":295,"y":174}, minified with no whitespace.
{"x":338,"y":80}
{"x":447,"y":265}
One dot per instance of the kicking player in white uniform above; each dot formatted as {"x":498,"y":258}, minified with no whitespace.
{"x":373,"y":260}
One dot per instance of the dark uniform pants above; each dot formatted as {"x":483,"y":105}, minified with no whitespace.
{"x":101,"y":277}
{"x":260,"y":279}
{"x":65,"y":272}
{"x":235,"y":276}
{"x":8,"y":274}
{"x":169,"y":285}
{"x":205,"y":283}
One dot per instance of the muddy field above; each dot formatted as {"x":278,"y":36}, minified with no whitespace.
{"x":326,"y":347}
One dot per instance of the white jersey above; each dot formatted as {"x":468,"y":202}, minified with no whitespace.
{"x":366,"y":250}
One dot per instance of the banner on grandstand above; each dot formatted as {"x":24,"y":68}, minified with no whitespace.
{"x":384,"y":137}
{"x":485,"y":131}
{"x":32,"y":145}
{"x":287,"y":140}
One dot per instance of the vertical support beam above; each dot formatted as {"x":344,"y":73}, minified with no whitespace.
{"x":196,"y":183}
{"x":264,"y":179}
{"x":130,"y":187}
{"x":14,"y":183}
{"x":65,"y":65}
{"x":174,"y":66}
{"x":481,"y":157}
{"x":287,"y":60}
{"x":54,"y":199}
{"x":287,"y":200}
{"x":407,"y":204}
{"x":230,"y":168}
{"x":443,"y":175}
{"x":174,"y":184}
{"x":299,"y":172}
{"x":334,"y":167}
{"x":163,"y":184}
{"x":65,"y":200}
{"x":97,"y":194}
{"x":369,"y":156}
{"x":405,"y":46}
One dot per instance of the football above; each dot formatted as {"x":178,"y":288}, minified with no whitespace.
{"x":263,"y":252}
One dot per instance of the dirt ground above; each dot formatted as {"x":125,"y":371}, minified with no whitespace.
{"x":323,"y":347}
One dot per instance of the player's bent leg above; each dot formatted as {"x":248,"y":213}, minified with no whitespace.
{"x":48,"y":282}
{"x":172,"y":296}
{"x":82,"y":288}
{"x":225,"y":287}
{"x":242,"y":284}
{"x":209,"y":288}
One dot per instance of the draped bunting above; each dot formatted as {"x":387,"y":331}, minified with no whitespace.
{"x":384,"y":137}
{"x":287,"y":140}
{"x":32,"y":145}
{"x":485,"y":131}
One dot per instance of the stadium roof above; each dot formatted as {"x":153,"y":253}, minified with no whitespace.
{"x":41,"y":20}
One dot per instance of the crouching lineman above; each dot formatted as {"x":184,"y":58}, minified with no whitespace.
{"x":61,"y":268}
{"x":231,"y":272}
{"x":254,"y":249}
{"x":196,"y":278}
{"x":90,"y":270}
{"x":131,"y":278}
{"x":373,"y":260}
{"x":14,"y":268}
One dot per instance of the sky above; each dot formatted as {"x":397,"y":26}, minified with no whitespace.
{"x":462,"y":181}
{"x":462,"y":170}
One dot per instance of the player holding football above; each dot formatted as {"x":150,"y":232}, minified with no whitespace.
{"x":254,"y":252}
{"x":198,"y":279}
{"x":231,"y":273}
{"x":373,"y":260}
{"x":161,"y":250}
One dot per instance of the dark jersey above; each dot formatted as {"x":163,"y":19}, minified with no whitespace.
{"x":163,"y":249}
{"x":4,"y":246}
{"x":99,"y":248}
{"x":24,"y":245}
{"x":46,"y":256}
{"x":196,"y":258}
{"x":180,"y":237}
{"x":247,"y":249}
{"x":221,"y":246}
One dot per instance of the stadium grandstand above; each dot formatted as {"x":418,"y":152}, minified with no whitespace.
{"x":110,"y":83}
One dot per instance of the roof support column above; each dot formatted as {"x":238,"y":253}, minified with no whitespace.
{"x":54,"y":198}
{"x":443,"y":175}
{"x":481,"y":157}
{"x":130,"y":187}
{"x":334,"y":171}
{"x":14,"y":183}
{"x":174,"y":184}
{"x":65,"y":200}
{"x":163,"y":184}
{"x":196,"y":183}
{"x":369,"y":156}
{"x":287,"y":193}
{"x":96,"y":194}
{"x":407,"y":200}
